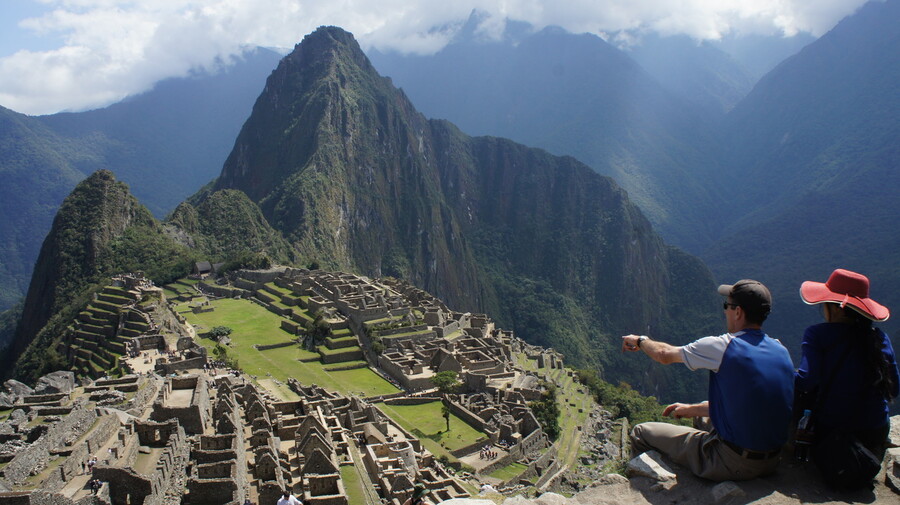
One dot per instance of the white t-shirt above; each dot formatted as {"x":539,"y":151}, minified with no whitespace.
{"x":707,"y":352}
{"x":290,"y":500}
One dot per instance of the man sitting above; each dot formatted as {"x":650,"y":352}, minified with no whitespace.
{"x":750,"y":394}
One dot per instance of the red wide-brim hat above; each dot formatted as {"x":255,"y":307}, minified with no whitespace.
{"x":848,"y":289}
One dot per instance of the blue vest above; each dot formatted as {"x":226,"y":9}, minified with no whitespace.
{"x":751,"y":395}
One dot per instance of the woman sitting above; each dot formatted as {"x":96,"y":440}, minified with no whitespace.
{"x":847,"y":376}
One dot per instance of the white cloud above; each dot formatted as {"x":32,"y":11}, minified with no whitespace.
{"x":114,"y":48}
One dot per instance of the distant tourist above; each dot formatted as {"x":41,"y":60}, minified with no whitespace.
{"x":750,"y":394}
{"x":288,"y":499}
{"x":847,"y":376}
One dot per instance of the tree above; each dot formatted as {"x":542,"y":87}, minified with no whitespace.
{"x":445,"y":381}
{"x":546,"y":410}
{"x":221,"y":354}
{"x":445,"y":411}
{"x":219,"y":331}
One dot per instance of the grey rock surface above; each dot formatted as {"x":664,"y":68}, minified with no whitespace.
{"x":55,"y":382}
{"x":551,"y":499}
{"x":650,"y":464}
{"x":894,"y":435}
{"x":724,"y":491}
{"x":16,"y":388}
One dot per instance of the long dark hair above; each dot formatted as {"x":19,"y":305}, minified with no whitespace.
{"x":878,"y":366}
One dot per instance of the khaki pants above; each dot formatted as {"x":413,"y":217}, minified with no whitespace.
{"x":703,"y":452}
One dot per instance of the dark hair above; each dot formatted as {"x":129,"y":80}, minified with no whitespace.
{"x":755,"y":315}
{"x":877,"y":363}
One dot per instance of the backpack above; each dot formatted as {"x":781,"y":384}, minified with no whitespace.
{"x":844,"y":461}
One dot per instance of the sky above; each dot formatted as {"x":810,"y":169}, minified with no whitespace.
{"x":75,"y":55}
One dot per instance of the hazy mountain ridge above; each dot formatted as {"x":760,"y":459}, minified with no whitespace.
{"x":38,"y":169}
{"x":817,"y":167}
{"x":580,"y":96}
{"x":698,"y":72}
{"x":165,"y":143}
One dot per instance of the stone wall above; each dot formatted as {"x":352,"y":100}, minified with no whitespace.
{"x":192,"y":417}
{"x":126,"y":486}
{"x":34,"y":458}
{"x":340,"y":357}
{"x":145,"y":393}
{"x":261,"y":276}
{"x":274,"y":346}
{"x":223,"y":291}
{"x":44,"y":497}
{"x":467,"y":415}
{"x":182,"y":364}
{"x":104,"y":429}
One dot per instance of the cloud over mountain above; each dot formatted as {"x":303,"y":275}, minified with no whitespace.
{"x":114,"y":48}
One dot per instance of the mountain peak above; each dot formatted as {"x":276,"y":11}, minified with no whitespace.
{"x":356,"y":179}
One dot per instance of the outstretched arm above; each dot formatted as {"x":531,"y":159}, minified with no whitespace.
{"x":659,"y":351}
{"x":679,"y":410}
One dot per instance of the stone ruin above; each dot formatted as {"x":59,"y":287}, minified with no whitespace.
{"x":160,"y":438}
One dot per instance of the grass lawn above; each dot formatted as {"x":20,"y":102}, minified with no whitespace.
{"x":352,"y":485}
{"x":508,"y":472}
{"x":275,"y":287}
{"x":279,"y":390}
{"x":252,"y":324}
{"x":426,"y":422}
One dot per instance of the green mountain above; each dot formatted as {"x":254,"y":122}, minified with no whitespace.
{"x":815,"y":164}
{"x":578,"y":95}
{"x":342,"y":164}
{"x":165,"y":144}
{"x":99,"y":230}
{"x":226,"y":224}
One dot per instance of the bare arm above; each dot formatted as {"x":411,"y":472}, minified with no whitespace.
{"x":679,"y":410}
{"x":659,"y":351}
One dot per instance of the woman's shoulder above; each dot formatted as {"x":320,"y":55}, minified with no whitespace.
{"x":821,"y":331}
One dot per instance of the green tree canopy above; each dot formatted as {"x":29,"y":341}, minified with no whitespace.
{"x":445,"y":381}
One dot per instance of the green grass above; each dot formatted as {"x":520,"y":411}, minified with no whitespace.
{"x":426,"y":422}
{"x":284,"y":291}
{"x":352,"y":485}
{"x":278,"y":303}
{"x":252,"y":324}
{"x":331,"y":352}
{"x":4,"y":414}
{"x":508,"y":472}
{"x":341,"y":340}
{"x":408,"y":334}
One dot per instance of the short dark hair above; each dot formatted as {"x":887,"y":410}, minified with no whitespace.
{"x":755,"y":315}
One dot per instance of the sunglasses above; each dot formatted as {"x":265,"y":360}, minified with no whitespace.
{"x":726,"y":306}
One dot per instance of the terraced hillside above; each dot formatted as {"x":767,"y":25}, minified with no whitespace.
{"x":99,"y":336}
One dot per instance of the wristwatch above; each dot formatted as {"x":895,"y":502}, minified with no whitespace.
{"x":640,"y":341}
